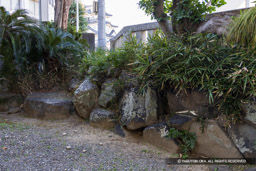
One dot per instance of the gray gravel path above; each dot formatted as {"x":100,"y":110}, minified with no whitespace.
{"x":29,"y":144}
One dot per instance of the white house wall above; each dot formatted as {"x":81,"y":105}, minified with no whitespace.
{"x":236,"y":4}
{"x":32,"y":6}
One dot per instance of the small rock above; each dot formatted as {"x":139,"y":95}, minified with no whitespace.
{"x":13,"y":110}
{"x":102,"y":118}
{"x":84,"y":151}
{"x":119,"y":130}
{"x":68,"y":147}
{"x":101,"y":144}
{"x":64,"y":134}
{"x":6,"y":136}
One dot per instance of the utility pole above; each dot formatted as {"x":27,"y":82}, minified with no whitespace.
{"x":101,"y":24}
{"x":77,"y":15}
{"x":40,"y":11}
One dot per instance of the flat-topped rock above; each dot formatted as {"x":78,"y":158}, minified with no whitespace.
{"x":54,"y":105}
{"x":10,"y":100}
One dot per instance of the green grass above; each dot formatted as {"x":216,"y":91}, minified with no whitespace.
{"x":13,"y":126}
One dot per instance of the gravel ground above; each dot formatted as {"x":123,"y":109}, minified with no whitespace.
{"x":72,"y":144}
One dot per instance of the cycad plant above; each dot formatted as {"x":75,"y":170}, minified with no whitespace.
{"x":15,"y":30}
{"x":243,"y":29}
{"x":55,"y":48}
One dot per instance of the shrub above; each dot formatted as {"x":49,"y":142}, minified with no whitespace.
{"x":102,"y":61}
{"x":202,"y":62}
{"x":187,"y":140}
{"x":243,"y":29}
{"x":72,"y":17}
{"x":34,"y":52}
{"x":15,"y":32}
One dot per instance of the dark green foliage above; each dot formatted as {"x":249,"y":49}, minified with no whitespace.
{"x":185,"y":11}
{"x":54,"y":48}
{"x":31,"y":50}
{"x":101,"y":62}
{"x":15,"y":30}
{"x":202,"y":62}
{"x":243,"y":29}
{"x":187,"y":140}
{"x":24,"y":43}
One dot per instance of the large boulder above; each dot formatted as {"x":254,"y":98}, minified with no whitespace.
{"x":10,"y":100}
{"x":243,"y":136}
{"x":102,"y":118}
{"x":138,"y":111}
{"x":109,"y":92}
{"x":86,"y":98}
{"x":193,"y":101}
{"x":157,"y":136}
{"x":213,"y":142}
{"x":54,"y":105}
{"x":217,"y":25}
{"x":250,"y":111}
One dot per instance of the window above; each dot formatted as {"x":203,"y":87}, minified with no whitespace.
{"x":10,"y":5}
{"x":34,"y":8}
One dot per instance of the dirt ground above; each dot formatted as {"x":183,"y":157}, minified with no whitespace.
{"x":72,"y":144}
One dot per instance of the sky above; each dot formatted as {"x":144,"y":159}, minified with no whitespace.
{"x":125,"y":12}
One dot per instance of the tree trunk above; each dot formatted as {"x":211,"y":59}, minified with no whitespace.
{"x":61,"y":13}
{"x":162,"y":19}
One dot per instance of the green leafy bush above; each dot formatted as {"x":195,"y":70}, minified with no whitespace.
{"x":72,"y":17}
{"x":187,"y":140}
{"x":15,"y":32}
{"x":243,"y":29}
{"x":35,"y":52}
{"x":202,"y":62}
{"x":55,"y":48}
{"x":102,"y":61}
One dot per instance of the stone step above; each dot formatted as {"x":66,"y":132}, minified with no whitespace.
{"x":49,"y":106}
